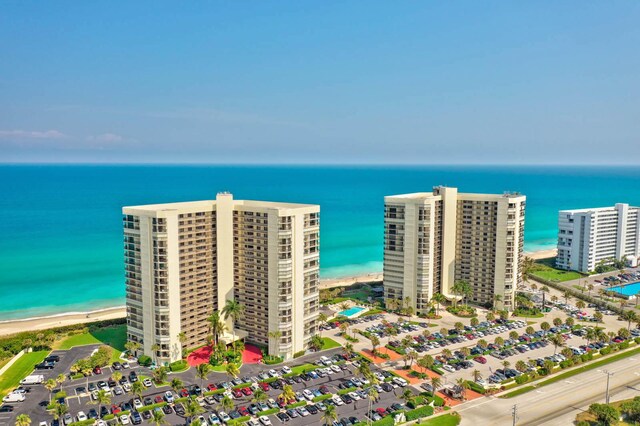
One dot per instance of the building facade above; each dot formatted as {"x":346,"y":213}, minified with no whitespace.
{"x":587,"y":237}
{"x":432,"y":240}
{"x":185,"y":260}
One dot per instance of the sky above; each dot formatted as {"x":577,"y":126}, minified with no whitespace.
{"x":344,"y":82}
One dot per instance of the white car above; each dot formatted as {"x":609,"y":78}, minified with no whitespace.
{"x":81,"y":416}
{"x":307,"y":394}
{"x":168,"y":396}
{"x":147,"y":382}
{"x":337,"y":400}
{"x":273,"y":373}
{"x":336,"y":368}
{"x":125,"y":364}
{"x":203,"y":421}
{"x":124,"y":419}
{"x":137,"y":403}
{"x":447,"y":367}
{"x":354,"y":396}
{"x":126,"y":387}
{"x":265,"y":421}
{"x":286,"y":370}
{"x":43,"y":423}
{"x":223,"y":416}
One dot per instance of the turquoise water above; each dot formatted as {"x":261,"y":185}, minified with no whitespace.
{"x":628,"y":289}
{"x":60,"y":226}
{"x":351,"y":311}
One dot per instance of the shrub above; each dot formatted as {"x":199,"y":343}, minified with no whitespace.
{"x":178,"y":365}
{"x":270,"y":360}
{"x":416,"y":402}
{"x":624,"y":345}
{"x":144,"y":360}
{"x":299,"y":354}
{"x":419,"y":413}
{"x":238,"y":421}
{"x":605,"y":351}
{"x":637,"y":340}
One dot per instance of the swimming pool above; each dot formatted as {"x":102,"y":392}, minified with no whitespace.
{"x":627,"y":289}
{"x":352,"y":311}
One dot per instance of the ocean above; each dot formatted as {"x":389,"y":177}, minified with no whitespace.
{"x":60,"y":225}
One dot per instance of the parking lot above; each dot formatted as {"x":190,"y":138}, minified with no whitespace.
{"x":79,"y":392}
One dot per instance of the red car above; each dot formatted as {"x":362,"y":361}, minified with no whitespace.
{"x":115,"y":409}
{"x":246,"y":391}
{"x":381,"y":411}
{"x":97,"y":370}
{"x":212,"y":387}
{"x":237,"y":393}
{"x":480,"y":359}
{"x":243,"y":411}
{"x":265,"y":386}
{"x":184,"y":393}
{"x":281,"y":403}
{"x":159,"y":399}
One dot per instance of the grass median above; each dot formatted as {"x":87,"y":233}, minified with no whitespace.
{"x":578,"y":370}
{"x":19,"y":370}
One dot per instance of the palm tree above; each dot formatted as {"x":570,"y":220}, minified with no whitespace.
{"x":259,"y":396}
{"x":102,"y":398}
{"x":316,"y":343}
{"x":406,"y":396}
{"x":436,"y":382}
{"x":182,"y":338}
{"x":227,"y":403}
{"x":521,"y":366}
{"x":630,"y":317}
{"x":176,"y":384}
{"x":439,"y":299}
{"x":343,"y":306}
{"x":232,"y":370}
{"x":116,"y":376}
{"x":375,"y":342}
{"x":155,"y":348}
{"x":216,"y":325}
{"x":287,"y":394}
{"x":59,"y":410}
{"x":348,"y":349}
{"x":132,"y":347}
{"x":157,"y":418}
{"x":557,"y":341}
{"x":506,"y":364}
{"x":137,"y":388}
{"x":23,"y":420}
{"x":464,"y":385}
{"x":192,"y":409}
{"x":544,"y":326}
{"x":203,"y":370}
{"x":329,"y":416}
{"x":50,"y":385}
{"x":323,"y":318}
{"x":233,"y":310}
{"x":160,"y":375}
{"x":476,"y":375}
{"x":497,"y":298}
{"x":276,"y":335}
{"x":61,"y":378}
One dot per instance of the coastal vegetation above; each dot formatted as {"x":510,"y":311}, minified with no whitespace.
{"x":20,"y":369}
{"x":545,"y":269}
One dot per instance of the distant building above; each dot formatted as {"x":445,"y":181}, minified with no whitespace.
{"x":588,"y":236}
{"x":185,"y":260}
{"x":432,"y":240}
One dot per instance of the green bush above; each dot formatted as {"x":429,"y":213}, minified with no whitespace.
{"x":322,"y":397}
{"x":624,"y":345}
{"x":416,"y":402}
{"x":239,"y":421}
{"x":605,"y":351}
{"x":180,"y":365}
{"x":296,"y":405}
{"x":271,"y":360}
{"x":419,"y":413}
{"x":299,"y":354}
{"x":144,"y":360}
{"x":637,"y":340}
{"x":478,"y":388}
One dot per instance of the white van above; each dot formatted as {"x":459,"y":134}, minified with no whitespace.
{"x":34,"y":379}
{"x":14,"y":397}
{"x":400,"y":381}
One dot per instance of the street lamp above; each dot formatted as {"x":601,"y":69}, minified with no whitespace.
{"x":606,"y":398}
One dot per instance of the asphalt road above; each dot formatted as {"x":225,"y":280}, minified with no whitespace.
{"x":555,"y":403}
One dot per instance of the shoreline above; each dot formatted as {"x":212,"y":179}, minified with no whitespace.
{"x":13,"y":326}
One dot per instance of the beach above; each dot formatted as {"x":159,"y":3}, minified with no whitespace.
{"x":41,"y":323}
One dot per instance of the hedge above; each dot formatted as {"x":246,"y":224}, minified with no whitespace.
{"x":322,"y":397}
{"x":144,"y":360}
{"x":347,"y":390}
{"x":296,"y":404}
{"x":238,"y":421}
{"x":180,"y":365}
{"x":299,"y":354}
{"x":419,"y":413}
{"x":269,"y":412}
{"x":476,"y":387}
{"x":151,"y":407}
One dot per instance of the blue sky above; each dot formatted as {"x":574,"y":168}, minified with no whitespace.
{"x":320,"y":82}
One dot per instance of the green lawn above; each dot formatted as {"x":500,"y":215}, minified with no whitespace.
{"x":115,"y":336}
{"x":19,"y":370}
{"x":444,"y":420}
{"x":329,"y":343}
{"x":544,"y":269}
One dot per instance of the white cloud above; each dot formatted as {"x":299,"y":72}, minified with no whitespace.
{"x":31,"y":134}
{"x":106,"y":137}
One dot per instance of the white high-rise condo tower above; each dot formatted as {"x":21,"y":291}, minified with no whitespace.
{"x":587,"y":237}
{"x":185,"y":260}
{"x":433,"y":239}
